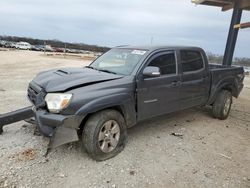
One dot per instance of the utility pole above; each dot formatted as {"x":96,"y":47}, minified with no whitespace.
{"x":44,"y":49}
{"x":151,"y":41}
{"x":64,"y":50}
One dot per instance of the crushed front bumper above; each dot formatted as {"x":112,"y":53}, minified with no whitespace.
{"x":61,"y":129}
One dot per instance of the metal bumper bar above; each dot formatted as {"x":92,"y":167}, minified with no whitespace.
{"x":15,"y":116}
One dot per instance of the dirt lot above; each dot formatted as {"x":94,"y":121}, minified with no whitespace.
{"x":211,"y":153}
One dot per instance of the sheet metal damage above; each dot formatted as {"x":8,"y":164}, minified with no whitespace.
{"x":63,"y":131}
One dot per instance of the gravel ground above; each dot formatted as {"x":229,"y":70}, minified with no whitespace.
{"x":211,"y":153}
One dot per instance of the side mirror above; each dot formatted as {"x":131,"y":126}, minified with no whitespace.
{"x":151,"y":71}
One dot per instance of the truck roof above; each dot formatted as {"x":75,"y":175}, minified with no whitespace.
{"x":158,"y":47}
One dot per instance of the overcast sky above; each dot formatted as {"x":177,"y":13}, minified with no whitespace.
{"x":115,"y":22}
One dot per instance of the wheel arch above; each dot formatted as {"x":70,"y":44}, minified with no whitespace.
{"x":224,"y":85}
{"x":122,"y":103}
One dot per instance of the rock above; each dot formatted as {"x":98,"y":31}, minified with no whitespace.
{"x":246,"y":179}
{"x":70,"y":147}
{"x":44,"y":161}
{"x":5,"y":184}
{"x":61,"y":175}
{"x":208,"y":175}
{"x":108,"y":180}
{"x":194,"y":171}
{"x":132,"y":172}
{"x":107,"y":164}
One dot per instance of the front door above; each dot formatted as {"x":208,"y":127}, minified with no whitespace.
{"x":159,"y":95}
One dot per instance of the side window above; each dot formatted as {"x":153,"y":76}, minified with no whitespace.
{"x":191,"y":60}
{"x":166,"y":63}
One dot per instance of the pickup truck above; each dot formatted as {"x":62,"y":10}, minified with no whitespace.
{"x":124,"y":86}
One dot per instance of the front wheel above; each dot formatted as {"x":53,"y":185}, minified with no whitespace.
{"x":104,"y":134}
{"x":222,"y":105}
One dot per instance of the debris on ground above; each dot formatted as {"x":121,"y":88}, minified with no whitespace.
{"x":190,"y":120}
{"x":44,"y":161}
{"x":200,"y":137}
{"x":61,"y":175}
{"x":108,"y":181}
{"x":37,"y":132}
{"x":208,"y":175}
{"x":31,"y":120}
{"x":70,"y":147}
{"x":223,"y":155}
{"x":194,"y":171}
{"x":180,"y":135}
{"x":3,"y":182}
{"x":132,"y":172}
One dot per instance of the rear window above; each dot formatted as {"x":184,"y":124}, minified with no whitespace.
{"x":191,"y":61}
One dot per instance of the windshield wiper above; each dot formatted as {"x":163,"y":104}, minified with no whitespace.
{"x":102,"y":70}
{"x":91,"y":67}
{"x":108,"y":71}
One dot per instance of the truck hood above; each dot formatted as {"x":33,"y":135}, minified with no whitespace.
{"x":60,"y":80}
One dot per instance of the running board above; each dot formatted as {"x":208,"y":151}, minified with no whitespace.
{"x":15,"y":116}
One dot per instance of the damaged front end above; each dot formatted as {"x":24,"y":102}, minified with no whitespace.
{"x":61,"y":129}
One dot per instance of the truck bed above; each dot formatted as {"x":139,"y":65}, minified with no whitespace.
{"x":225,"y":74}
{"x":216,"y":69}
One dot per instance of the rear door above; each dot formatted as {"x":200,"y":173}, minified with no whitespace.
{"x":159,"y":95}
{"x":194,"y":89}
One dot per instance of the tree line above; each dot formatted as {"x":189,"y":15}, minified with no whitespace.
{"x":241,"y":61}
{"x":213,"y":58}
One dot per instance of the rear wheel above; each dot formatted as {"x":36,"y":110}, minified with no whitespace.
{"x":104,"y":134}
{"x":222,"y":105}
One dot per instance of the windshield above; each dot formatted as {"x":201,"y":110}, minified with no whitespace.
{"x":118,"y":61}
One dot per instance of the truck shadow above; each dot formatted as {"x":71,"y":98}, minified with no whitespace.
{"x":171,"y":122}
{"x":162,"y":125}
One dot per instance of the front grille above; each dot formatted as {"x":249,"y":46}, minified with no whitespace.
{"x":32,"y":95}
{"x":36,"y":95}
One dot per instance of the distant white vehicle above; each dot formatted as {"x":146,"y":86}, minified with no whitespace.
{"x":12,"y":44}
{"x":48,"y":48}
{"x":2,"y":42}
{"x":247,"y":70}
{"x":23,"y":45}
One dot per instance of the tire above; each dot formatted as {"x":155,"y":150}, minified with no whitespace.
{"x":104,"y":135}
{"x":222,"y":105}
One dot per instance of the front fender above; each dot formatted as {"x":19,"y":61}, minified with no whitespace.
{"x":122,"y":100}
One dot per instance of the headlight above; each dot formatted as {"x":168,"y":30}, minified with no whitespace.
{"x":57,"y":101}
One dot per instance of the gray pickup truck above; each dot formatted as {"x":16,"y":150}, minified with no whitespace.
{"x":124,"y":86}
